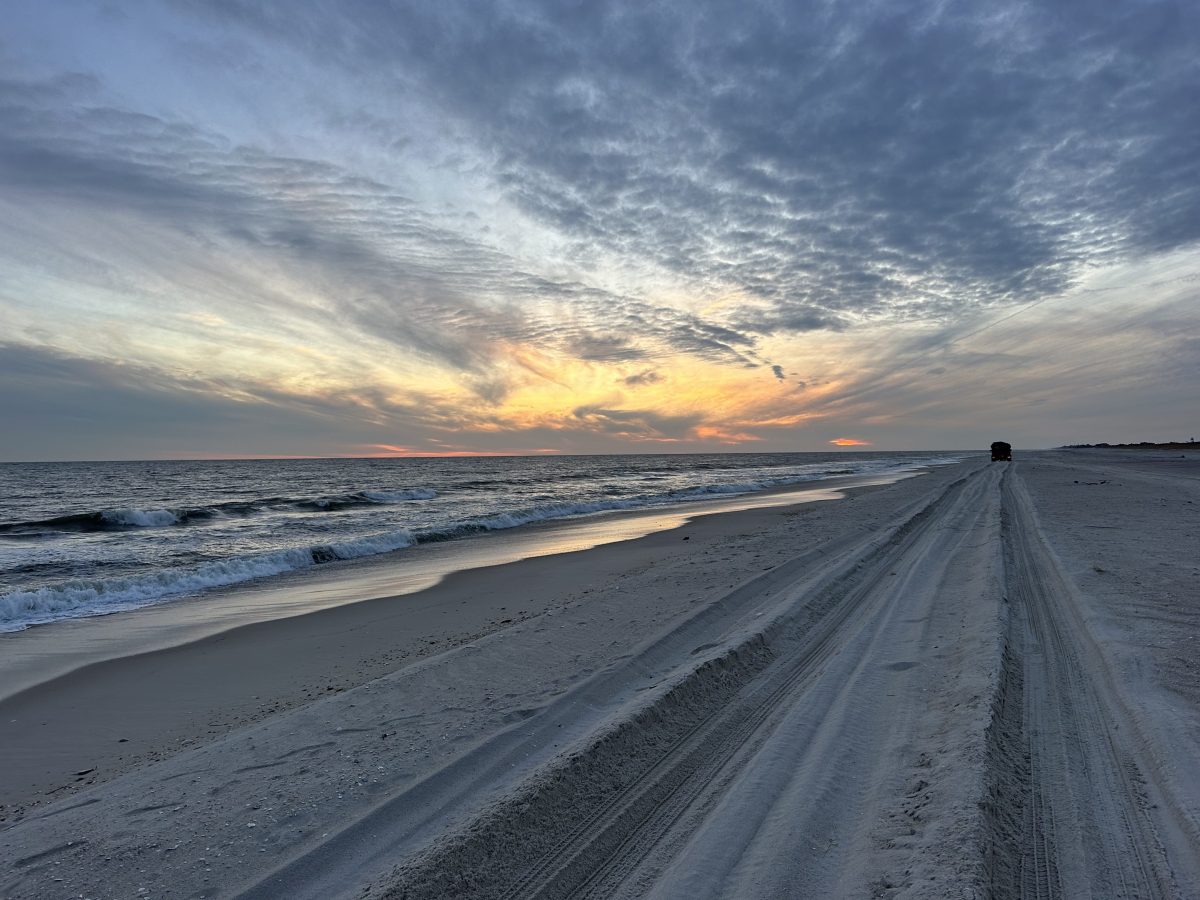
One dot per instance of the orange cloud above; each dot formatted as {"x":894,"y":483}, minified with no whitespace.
{"x":389,"y":451}
{"x":710,"y":433}
{"x":850,"y":442}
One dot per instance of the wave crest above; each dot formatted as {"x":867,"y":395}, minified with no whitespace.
{"x":100,"y":596}
{"x":128,"y":518}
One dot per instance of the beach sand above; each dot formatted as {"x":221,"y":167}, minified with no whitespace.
{"x":978,"y":682}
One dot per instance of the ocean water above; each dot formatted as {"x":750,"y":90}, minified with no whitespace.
{"x":85,"y":539}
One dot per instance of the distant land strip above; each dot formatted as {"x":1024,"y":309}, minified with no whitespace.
{"x":1141,"y":445}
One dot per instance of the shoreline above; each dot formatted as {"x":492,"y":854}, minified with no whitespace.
{"x":41,"y":653}
{"x":149,"y":551}
{"x":210,"y":677}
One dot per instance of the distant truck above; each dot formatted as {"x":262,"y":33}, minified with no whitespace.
{"x":1001,"y":452}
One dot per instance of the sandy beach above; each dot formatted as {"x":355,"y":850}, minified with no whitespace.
{"x":978,"y":682}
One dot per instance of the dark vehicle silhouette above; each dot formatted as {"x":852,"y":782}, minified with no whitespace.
{"x":1001,"y":452}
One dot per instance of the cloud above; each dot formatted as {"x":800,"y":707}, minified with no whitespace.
{"x":68,"y":407}
{"x":1092,"y":362}
{"x":838,"y":163}
{"x":394,"y":221}
{"x":649,"y":376}
{"x":639,"y":424}
{"x":849,"y":442}
{"x":605,"y":348}
{"x":65,"y":406}
{"x":767,"y":320}
{"x":368,"y":256}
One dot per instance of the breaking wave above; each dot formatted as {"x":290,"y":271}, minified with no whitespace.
{"x":360,"y":498}
{"x":223,"y":565}
{"x":129,"y":518}
{"x":99,"y":596}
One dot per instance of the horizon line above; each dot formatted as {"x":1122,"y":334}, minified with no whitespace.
{"x":490,"y":455}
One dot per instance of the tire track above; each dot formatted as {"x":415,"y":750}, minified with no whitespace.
{"x":604,"y":837}
{"x":875,"y":601}
{"x":411,"y":823}
{"x":1064,"y":757}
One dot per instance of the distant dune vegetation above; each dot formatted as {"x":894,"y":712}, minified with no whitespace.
{"x":1141,"y":445}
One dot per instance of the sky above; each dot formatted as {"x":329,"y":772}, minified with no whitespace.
{"x":308,"y":228}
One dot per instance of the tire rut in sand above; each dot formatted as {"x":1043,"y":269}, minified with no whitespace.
{"x":1066,"y":807}
{"x":577,"y":828}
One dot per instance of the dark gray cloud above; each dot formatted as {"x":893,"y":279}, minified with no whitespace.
{"x":61,"y":406}
{"x":638,"y":424}
{"x":1122,"y":372}
{"x":72,"y":407}
{"x":605,"y":348}
{"x":788,"y":318}
{"x":649,"y":376}
{"x":881,"y":159}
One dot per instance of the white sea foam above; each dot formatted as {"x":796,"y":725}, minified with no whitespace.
{"x":99,"y":596}
{"x":364,"y":546}
{"x":140,"y":518}
{"x":743,"y":487}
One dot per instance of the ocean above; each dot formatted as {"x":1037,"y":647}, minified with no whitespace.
{"x":86,"y":539}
